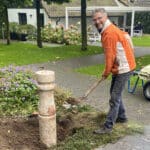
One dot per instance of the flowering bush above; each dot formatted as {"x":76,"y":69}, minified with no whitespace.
{"x":18,"y":91}
{"x":72,"y":35}
{"x":59,"y":35}
{"x":54,"y":35}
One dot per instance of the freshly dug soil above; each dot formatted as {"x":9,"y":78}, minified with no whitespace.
{"x":20,"y":134}
{"x":23,"y":133}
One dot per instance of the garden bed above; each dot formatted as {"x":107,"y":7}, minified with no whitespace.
{"x":75,"y":124}
{"x":74,"y":130}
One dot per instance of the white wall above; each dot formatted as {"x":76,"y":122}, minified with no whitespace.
{"x":31,"y":15}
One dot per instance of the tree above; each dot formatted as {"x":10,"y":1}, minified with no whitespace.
{"x":39,"y":40}
{"x":4,"y":5}
{"x":83,"y":25}
{"x":7,"y":25}
{"x":38,"y":4}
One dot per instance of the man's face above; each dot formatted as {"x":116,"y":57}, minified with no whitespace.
{"x":99,"y":20}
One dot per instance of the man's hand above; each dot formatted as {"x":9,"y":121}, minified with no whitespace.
{"x":104,"y":77}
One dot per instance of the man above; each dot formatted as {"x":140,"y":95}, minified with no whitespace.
{"x":119,"y":60}
{"x":138,"y":26}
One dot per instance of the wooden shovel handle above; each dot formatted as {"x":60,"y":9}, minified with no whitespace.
{"x":93,"y":87}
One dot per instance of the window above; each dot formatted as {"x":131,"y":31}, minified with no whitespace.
{"x":22,"y":18}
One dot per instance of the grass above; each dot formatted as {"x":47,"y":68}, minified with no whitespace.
{"x":97,"y":70}
{"x":142,"y":61}
{"x":143,"y":41}
{"x":23,"y":53}
{"x":84,"y":123}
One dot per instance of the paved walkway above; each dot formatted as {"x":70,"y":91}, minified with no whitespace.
{"x":138,"y":109}
{"x":137,"y":142}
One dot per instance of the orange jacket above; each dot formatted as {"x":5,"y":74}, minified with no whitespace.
{"x":118,"y":50}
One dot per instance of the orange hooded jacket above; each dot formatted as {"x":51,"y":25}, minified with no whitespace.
{"x":118,"y":50}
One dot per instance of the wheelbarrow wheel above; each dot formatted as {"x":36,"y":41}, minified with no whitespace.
{"x":146,"y":90}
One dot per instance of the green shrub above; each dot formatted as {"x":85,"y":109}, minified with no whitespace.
{"x":29,"y":30}
{"x":18,"y":30}
{"x":13,"y":27}
{"x":18,"y":91}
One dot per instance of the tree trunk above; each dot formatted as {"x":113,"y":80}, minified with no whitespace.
{"x":83,"y":25}
{"x":39,"y":40}
{"x":7,"y":26}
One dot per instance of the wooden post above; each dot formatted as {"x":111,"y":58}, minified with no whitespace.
{"x":47,"y":111}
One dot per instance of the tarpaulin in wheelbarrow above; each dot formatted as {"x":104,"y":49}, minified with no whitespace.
{"x":145,"y":73}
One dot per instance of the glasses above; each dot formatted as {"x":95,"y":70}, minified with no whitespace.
{"x":98,"y":18}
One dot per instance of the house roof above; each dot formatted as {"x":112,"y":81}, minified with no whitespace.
{"x":141,"y":3}
{"x":58,"y":10}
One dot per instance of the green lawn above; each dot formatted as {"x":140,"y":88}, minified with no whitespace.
{"x":23,"y":54}
{"x":142,"y":41}
{"x":97,"y":70}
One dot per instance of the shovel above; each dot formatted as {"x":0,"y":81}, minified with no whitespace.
{"x":75,"y":101}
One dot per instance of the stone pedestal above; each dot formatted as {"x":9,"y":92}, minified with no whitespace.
{"x":47,"y":110}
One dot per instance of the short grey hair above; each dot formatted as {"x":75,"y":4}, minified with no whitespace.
{"x":101,"y":10}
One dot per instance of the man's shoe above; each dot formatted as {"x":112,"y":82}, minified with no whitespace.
{"x":119,"y":120}
{"x":104,"y":130}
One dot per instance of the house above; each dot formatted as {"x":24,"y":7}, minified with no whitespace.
{"x":141,"y":3}
{"x":55,"y":13}
{"x":69,"y":13}
{"x":27,"y":16}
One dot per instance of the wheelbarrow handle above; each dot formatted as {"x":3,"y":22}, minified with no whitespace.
{"x":93,"y":87}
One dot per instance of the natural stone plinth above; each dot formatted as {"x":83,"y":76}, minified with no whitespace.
{"x":47,"y":110}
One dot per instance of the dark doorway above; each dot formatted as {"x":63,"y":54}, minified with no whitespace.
{"x":22,"y":18}
{"x":41,"y":20}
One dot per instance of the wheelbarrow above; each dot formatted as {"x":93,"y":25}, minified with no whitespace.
{"x":144,"y":76}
